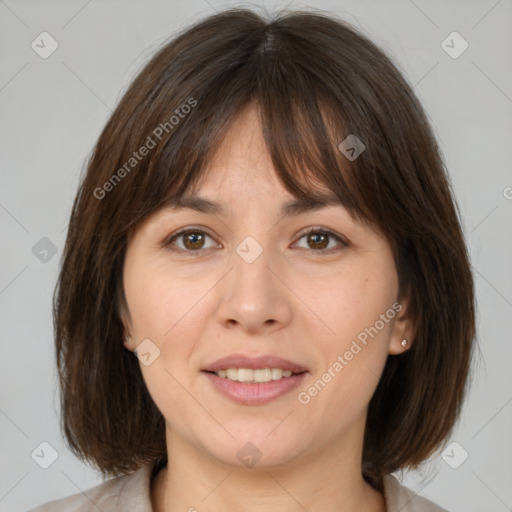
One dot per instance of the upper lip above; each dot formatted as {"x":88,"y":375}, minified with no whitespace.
{"x":254,"y":363}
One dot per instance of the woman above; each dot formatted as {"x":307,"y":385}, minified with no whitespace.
{"x":266,"y":223}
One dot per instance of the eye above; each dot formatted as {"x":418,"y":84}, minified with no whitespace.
{"x":193,"y":240}
{"x":318,"y":239}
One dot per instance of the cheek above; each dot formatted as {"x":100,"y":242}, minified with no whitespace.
{"x":163,"y":308}
{"x":356,"y":306}
{"x":157,"y":298}
{"x":353,"y":300}
{"x":167,"y":308}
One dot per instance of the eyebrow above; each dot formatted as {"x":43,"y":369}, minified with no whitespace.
{"x":294,"y":207}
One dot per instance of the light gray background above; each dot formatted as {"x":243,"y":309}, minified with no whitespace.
{"x":52,"y":111}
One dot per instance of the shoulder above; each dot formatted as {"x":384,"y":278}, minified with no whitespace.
{"x":128,"y":492}
{"x":400,"y":498}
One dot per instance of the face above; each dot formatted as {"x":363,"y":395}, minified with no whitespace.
{"x":315,"y":288}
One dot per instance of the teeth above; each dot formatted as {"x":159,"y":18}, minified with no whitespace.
{"x":248,"y":375}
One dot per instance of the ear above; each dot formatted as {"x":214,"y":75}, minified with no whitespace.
{"x":403,"y":328}
{"x":129,"y":343}
{"x":127,"y":338}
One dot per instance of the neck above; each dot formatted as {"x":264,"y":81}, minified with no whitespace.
{"x":330,"y":480}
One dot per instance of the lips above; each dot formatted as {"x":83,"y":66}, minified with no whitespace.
{"x":254,"y":363}
{"x":252,"y":394}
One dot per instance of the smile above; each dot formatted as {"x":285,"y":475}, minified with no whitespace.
{"x":252,"y":391}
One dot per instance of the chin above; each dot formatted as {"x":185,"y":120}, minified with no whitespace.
{"x":256,"y":449}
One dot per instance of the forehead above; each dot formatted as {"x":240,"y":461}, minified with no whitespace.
{"x":291,"y":207}
{"x":241,"y":165}
{"x":239,"y":175}
{"x":242,"y":155}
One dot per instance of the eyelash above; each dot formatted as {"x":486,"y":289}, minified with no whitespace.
{"x":316,"y":229}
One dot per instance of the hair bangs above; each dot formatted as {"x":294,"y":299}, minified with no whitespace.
{"x":300,"y":125}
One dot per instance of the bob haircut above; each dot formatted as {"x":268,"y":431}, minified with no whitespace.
{"x":315,"y":80}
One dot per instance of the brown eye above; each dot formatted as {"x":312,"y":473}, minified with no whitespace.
{"x":319,"y":240}
{"x":193,"y":240}
{"x":190,"y":240}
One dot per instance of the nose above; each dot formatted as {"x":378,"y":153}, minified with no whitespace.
{"x":254,"y":296}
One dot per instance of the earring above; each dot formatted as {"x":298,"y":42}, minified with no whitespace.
{"x":404,"y":343}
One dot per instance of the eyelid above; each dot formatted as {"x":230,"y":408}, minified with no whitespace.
{"x":323,"y":229}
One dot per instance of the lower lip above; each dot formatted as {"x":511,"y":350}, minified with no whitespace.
{"x":255,"y":393}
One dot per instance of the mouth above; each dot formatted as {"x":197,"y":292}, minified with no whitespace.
{"x":251,"y":392}
{"x":254,"y":380}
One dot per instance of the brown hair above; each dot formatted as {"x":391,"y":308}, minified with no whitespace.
{"x":315,"y":80}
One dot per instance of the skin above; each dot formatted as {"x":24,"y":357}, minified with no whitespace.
{"x":294,"y":301}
